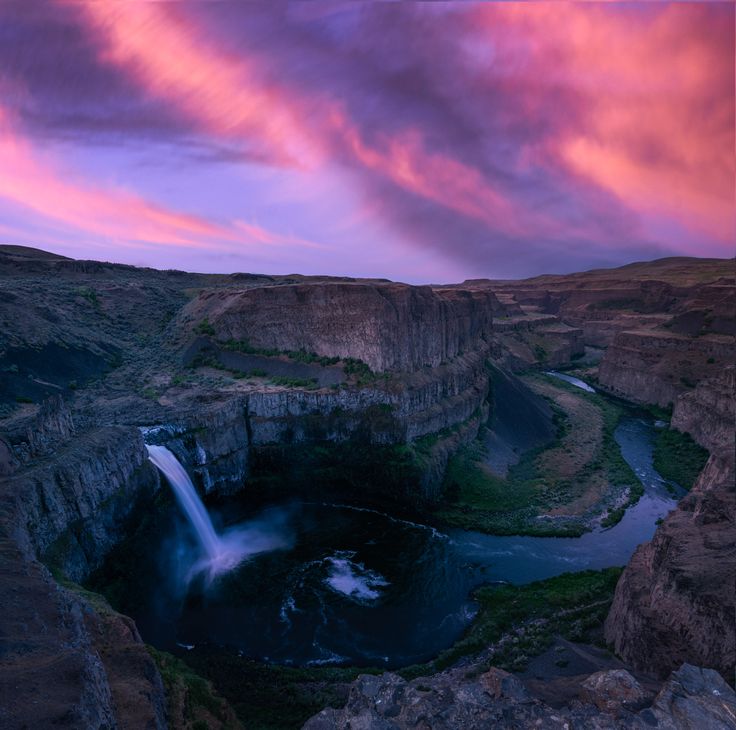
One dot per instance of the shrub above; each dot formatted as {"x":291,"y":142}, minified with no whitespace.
{"x":205,"y":328}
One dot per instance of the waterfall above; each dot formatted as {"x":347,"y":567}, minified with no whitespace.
{"x":188,"y":499}
{"x":220,"y":553}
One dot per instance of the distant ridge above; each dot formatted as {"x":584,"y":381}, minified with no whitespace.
{"x":27,"y":252}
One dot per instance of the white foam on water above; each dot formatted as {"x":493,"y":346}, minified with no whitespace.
{"x":354,"y":579}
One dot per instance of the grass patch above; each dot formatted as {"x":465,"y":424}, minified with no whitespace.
{"x":678,"y":458}
{"x":191,"y":701}
{"x":613,"y":517}
{"x":573,"y":605}
{"x":89,"y":294}
{"x":472,"y":484}
{"x":553,"y":490}
{"x":205,"y":328}
{"x":273,"y":697}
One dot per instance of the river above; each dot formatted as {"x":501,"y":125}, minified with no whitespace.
{"x":355,"y":586}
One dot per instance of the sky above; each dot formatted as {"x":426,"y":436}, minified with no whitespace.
{"x":423,"y":142}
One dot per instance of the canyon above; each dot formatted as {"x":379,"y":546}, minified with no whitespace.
{"x":360,"y":391}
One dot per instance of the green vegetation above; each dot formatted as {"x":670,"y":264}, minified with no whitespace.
{"x":353,"y":366}
{"x":245,"y":347}
{"x":573,"y":605}
{"x":309,"y":358}
{"x":553,"y":490}
{"x":613,"y":517}
{"x":149,"y":393}
{"x":189,"y":696}
{"x":312,"y":357}
{"x":354,"y":469}
{"x":23,"y":399}
{"x":424,"y":445}
{"x":658,"y":413}
{"x":205,"y":328}
{"x":678,"y":458}
{"x":273,"y":697}
{"x":89,"y":294}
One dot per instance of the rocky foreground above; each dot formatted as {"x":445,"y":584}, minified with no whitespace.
{"x":390,"y":380}
{"x":692,"y":699}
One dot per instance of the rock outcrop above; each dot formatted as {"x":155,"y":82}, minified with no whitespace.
{"x":656,"y":366}
{"x":676,"y":600}
{"x":73,"y":508}
{"x":707,"y":412}
{"x":391,"y":327}
{"x":65,"y":661}
{"x":691,"y":699}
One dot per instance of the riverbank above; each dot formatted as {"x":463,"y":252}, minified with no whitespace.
{"x":577,"y":482}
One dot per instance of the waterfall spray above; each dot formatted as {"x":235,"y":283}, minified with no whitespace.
{"x":221,"y":553}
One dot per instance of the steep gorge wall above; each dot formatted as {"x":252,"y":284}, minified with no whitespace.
{"x":391,"y":327}
{"x":68,"y":497}
{"x":72,"y":492}
{"x":676,"y":600}
{"x":219,"y":441}
{"x":654,"y":366}
{"x":707,"y":412}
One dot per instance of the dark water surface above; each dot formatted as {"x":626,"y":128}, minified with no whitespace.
{"x":359,"y":587}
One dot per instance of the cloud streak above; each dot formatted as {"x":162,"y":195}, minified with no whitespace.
{"x":569,"y":134}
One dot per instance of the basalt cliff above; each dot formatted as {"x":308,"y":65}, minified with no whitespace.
{"x":240,"y":375}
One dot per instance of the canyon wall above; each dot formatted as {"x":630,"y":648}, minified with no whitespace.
{"x":72,"y":492}
{"x":219,"y":440}
{"x":676,"y":600}
{"x":67,"y":658}
{"x":391,"y":327}
{"x":656,"y":366}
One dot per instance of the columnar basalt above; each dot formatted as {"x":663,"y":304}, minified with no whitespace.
{"x":656,"y":366}
{"x":391,"y":327}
